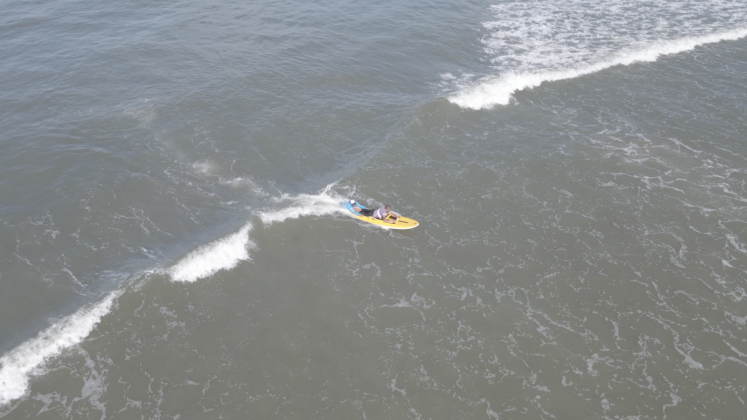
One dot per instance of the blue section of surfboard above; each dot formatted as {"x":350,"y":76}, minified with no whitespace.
{"x":401,"y":223}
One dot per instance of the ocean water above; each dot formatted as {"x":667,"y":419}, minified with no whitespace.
{"x":172,"y":245}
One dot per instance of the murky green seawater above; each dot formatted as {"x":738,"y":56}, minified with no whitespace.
{"x":171,"y":244}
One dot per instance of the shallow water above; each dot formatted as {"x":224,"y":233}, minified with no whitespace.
{"x":172,"y":244}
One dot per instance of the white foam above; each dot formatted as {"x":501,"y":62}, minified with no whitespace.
{"x":227,"y":252}
{"x":498,"y":91}
{"x":544,"y":40}
{"x":20,"y":364}
{"x":205,"y":167}
{"x":243,"y":183}
{"x":222,"y":254}
{"x":324,"y":203}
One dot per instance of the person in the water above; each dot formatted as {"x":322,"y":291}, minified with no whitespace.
{"x":384,"y":214}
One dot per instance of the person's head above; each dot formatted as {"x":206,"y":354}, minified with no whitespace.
{"x":387,"y":207}
{"x":352,"y":202}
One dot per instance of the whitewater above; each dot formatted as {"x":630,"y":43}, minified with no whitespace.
{"x":534,"y":42}
{"x":25,"y":361}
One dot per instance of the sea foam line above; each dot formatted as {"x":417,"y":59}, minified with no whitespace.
{"x":491,"y":91}
{"x":222,"y":254}
{"x":21,"y":363}
{"x":324,"y":203}
{"x":227,"y":252}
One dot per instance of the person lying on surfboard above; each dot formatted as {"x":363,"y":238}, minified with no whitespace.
{"x":384,"y":214}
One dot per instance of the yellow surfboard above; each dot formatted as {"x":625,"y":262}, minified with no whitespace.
{"x":401,"y":223}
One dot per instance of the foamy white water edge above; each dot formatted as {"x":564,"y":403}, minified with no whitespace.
{"x":225,"y":253}
{"x":324,"y":203}
{"x":222,"y":254}
{"x":20,"y":364}
{"x":492,"y":91}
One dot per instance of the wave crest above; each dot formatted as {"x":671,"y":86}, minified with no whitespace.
{"x":222,"y":254}
{"x":492,"y":91}
{"x":20,"y":364}
{"x":536,"y":41}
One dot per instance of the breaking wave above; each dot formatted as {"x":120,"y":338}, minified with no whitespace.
{"x":544,"y":41}
{"x":325,"y":203}
{"x":20,"y":364}
{"x":222,"y":254}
